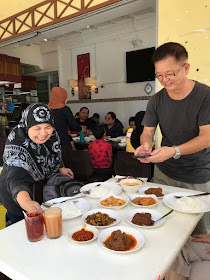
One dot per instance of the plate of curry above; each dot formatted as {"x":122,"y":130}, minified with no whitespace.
{"x":112,"y":201}
{"x":120,"y":239}
{"x":144,"y":200}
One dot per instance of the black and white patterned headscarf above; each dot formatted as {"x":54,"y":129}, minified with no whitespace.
{"x":39,"y":160}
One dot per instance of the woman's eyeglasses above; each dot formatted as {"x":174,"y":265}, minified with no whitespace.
{"x":169,"y":75}
{"x":107,"y":118}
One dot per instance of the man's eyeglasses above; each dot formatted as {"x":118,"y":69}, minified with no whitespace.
{"x":169,"y":75}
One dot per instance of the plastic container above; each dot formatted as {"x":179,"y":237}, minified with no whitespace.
{"x":10,"y":106}
{"x":82,"y":137}
{"x":5,"y":105}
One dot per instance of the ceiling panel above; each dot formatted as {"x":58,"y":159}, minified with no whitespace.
{"x":15,"y":7}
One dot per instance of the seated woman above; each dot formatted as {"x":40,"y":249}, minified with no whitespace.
{"x":134,"y":132}
{"x":135,"y":136}
{"x":63,"y":117}
{"x":193,"y":262}
{"x":112,"y":128}
{"x":32,"y":153}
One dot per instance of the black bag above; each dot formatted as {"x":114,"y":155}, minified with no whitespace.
{"x":60,"y":185}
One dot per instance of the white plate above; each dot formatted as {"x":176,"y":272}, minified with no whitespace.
{"x":155,"y":215}
{"x":113,"y":188}
{"x":76,"y":139}
{"x":134,"y":195}
{"x":111,"y":213}
{"x":169,"y":199}
{"x":114,"y":207}
{"x":82,"y":204}
{"x":164,"y":191}
{"x":117,"y":139}
{"x":135,"y":233}
{"x":86,"y":227}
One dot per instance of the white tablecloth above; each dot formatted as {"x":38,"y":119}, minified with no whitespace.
{"x":63,"y":259}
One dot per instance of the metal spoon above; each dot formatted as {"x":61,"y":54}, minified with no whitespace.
{"x":49,"y":204}
{"x":131,"y":201}
{"x":164,"y":215}
{"x":200,"y":194}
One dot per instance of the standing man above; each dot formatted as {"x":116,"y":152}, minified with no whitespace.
{"x":182,"y":109}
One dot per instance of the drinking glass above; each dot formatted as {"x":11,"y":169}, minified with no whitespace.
{"x":53,"y":222}
{"x":34,"y":226}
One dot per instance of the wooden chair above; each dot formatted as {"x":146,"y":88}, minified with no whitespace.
{"x":79,"y":162}
{"x":125,"y":165}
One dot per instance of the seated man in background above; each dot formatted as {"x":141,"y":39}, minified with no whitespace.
{"x":112,"y":128}
{"x":193,"y":261}
{"x":100,"y":152}
{"x":84,"y":120}
{"x":95,"y":118}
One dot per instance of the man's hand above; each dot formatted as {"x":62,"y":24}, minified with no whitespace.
{"x":202,"y":238}
{"x":143,"y":149}
{"x":66,"y":171}
{"x":161,"y":154}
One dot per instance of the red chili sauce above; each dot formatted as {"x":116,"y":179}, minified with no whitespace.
{"x":82,"y":235}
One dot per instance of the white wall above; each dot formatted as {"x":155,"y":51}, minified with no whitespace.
{"x":123,"y":110}
{"x":107,"y":48}
{"x":50,"y":60}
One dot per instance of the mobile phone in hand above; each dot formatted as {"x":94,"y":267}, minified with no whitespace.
{"x":143,"y":155}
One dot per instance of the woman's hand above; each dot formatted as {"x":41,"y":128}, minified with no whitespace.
{"x":25,"y":202}
{"x":66,"y":171}
{"x":202,"y":238}
{"x":32,"y":206}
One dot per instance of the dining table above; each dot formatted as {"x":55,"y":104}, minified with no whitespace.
{"x":64,"y":259}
